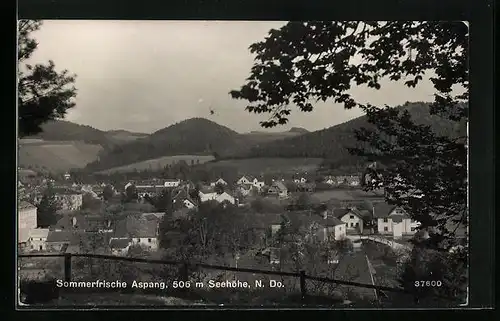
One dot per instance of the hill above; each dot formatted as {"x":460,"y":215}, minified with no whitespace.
{"x":260,"y":137}
{"x":298,"y":130}
{"x":195,"y":136}
{"x":332,"y":143}
{"x":57,"y":156}
{"x":123,"y":136}
{"x":62,"y":130}
{"x":159,"y":163}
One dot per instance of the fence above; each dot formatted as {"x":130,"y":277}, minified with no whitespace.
{"x":185,"y":267}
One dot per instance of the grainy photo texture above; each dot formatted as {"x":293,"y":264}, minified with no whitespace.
{"x":240,"y":164}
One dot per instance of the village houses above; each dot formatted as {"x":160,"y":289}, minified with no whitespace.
{"x":251,"y":180}
{"x":209,"y":194}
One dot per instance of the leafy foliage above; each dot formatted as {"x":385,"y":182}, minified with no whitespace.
{"x":44,"y":93}
{"x":425,"y":170}
{"x":46,"y":210}
{"x":107,"y":193}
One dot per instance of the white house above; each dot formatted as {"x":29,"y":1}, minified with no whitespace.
{"x":246,"y":180}
{"x":37,"y":239}
{"x":330,"y":181}
{"x":393,"y":220}
{"x":300,"y":180}
{"x":214,"y":196}
{"x":219,"y":181}
{"x":129,"y":184}
{"x":26,"y":221}
{"x":352,"y":218}
{"x":172,"y":183}
{"x":188,"y":203}
{"x":335,"y":229}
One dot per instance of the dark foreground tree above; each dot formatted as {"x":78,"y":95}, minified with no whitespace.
{"x":424,"y":172}
{"x":44,"y":93}
{"x":46,"y":210}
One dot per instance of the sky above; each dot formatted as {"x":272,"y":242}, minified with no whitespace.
{"x":146,"y":75}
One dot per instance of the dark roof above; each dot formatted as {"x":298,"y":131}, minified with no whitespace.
{"x":382,"y":209}
{"x":397,"y":218}
{"x":119,"y":243}
{"x":333,"y":221}
{"x":207,"y":189}
{"x":63,"y":237}
{"x":339,"y":212}
{"x":279,"y":185}
{"x":249,"y":177}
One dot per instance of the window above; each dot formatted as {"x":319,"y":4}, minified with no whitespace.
{"x":32,"y":247}
{"x":386,"y":220}
{"x":357,"y":224}
{"x":40,"y":239}
{"x":351,"y":217}
{"x":386,"y":228}
{"x":149,"y":240}
{"x":412,"y":229}
{"x":40,"y":248}
{"x":352,"y":224}
{"x":138,"y":240}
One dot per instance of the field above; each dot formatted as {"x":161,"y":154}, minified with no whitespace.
{"x":56,"y":156}
{"x":160,"y":162}
{"x":346,"y":194}
{"x":270,"y":165}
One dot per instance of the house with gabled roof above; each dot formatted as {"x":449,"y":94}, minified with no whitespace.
{"x":37,"y":239}
{"x":353,"y":218}
{"x":278,"y":188}
{"x":181,"y":199}
{"x":393,"y":220}
{"x":246,"y":179}
{"x":218,"y":181}
{"x":136,"y":231}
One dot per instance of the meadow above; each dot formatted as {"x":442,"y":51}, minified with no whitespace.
{"x":159,"y":163}
{"x":277,"y":165}
{"x":56,"y":156}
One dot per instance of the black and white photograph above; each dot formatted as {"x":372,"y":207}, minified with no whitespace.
{"x":210,"y":164}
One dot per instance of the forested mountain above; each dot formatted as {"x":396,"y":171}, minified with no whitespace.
{"x":62,"y":130}
{"x":332,"y":143}
{"x":194,"y":136}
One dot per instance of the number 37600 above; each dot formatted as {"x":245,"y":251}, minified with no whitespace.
{"x":434,"y":283}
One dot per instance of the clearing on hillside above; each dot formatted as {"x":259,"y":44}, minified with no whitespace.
{"x":159,"y":163}
{"x":270,"y":165}
{"x":57,"y":156}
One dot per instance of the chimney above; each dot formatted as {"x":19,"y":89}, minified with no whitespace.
{"x":73,"y":221}
{"x":325,"y":214}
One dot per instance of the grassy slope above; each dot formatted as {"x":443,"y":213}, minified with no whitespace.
{"x":269,"y":164}
{"x":160,"y":162}
{"x":58,"y":156}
